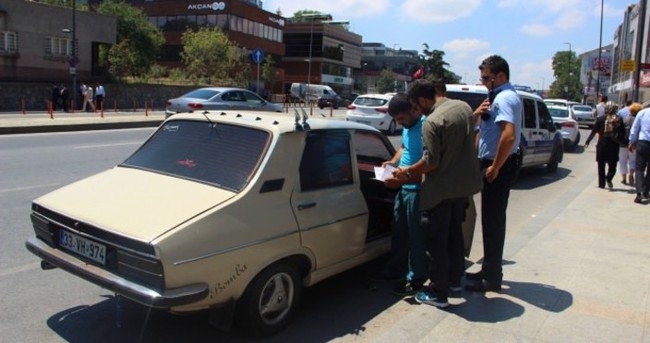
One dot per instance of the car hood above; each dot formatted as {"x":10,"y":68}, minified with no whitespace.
{"x":134,"y":203}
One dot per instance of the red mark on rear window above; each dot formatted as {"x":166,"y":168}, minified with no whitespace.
{"x":187,"y":163}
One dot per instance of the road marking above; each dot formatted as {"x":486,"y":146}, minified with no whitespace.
{"x":17,"y":189}
{"x":106,"y":145}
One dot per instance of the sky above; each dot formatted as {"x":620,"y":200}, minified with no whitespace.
{"x":527,"y":33}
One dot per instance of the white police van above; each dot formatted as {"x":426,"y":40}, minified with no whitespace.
{"x":541,"y":141}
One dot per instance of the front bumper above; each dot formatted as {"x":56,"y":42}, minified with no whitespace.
{"x":136,"y":292}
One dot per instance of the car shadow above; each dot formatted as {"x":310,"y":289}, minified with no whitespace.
{"x":331,"y":309}
{"x":531,"y":178}
{"x":578,"y":149}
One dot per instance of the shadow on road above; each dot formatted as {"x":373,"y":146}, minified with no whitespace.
{"x":531,"y":178}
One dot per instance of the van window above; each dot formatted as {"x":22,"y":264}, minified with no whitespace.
{"x":530,"y":117}
{"x":545,"y":120}
{"x":471,"y":98}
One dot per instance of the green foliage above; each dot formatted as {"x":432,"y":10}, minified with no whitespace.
{"x":386,"y":81}
{"x":207,"y":53}
{"x":566,"y":69}
{"x":157,"y":71}
{"x":135,"y":36}
{"x":268,"y":71}
{"x":122,"y":59}
{"x":435,"y":66}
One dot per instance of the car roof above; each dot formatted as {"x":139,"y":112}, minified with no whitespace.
{"x":221,"y":89}
{"x":276,"y":122}
{"x":376,"y":95}
{"x":480,"y":89}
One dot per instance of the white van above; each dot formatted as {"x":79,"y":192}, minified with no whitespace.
{"x":310,"y":92}
{"x":541,"y":142}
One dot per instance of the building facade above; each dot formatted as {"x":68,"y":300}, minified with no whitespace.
{"x":377,"y":57}
{"x":36,"y":48}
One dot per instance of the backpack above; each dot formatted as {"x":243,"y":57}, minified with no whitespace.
{"x":612,"y":128}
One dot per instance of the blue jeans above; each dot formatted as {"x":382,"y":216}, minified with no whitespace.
{"x":408,"y":256}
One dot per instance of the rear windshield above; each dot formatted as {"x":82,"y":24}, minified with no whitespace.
{"x":472,"y":98}
{"x":225,"y":156}
{"x":201,"y":94}
{"x":370,"y":101}
{"x":582,"y":108}
{"x":559,"y":112}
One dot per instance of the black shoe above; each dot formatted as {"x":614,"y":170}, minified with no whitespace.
{"x":646,"y":196}
{"x":455,"y":287}
{"x":638,"y":199}
{"x":407,"y":288}
{"x":609,"y":185}
{"x":483,"y":286}
{"x":478,"y":276}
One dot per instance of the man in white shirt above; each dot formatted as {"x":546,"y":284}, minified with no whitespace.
{"x":100,"y":93}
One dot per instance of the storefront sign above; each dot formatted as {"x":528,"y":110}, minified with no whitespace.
{"x":215,"y":6}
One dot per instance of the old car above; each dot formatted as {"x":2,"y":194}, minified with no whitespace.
{"x":234,"y":212}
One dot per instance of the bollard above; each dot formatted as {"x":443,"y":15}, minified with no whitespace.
{"x":50,"y":109}
{"x":22,"y":105}
{"x":101,"y":110}
{"x":115,"y":105}
{"x":72,"y":105}
{"x":146,"y":109}
{"x":134,"y":105}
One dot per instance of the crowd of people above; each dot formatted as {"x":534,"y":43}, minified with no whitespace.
{"x":91,"y":98}
{"x":450,"y":152}
{"x":623,"y":141}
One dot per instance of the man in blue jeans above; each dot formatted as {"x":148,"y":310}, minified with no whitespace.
{"x":408,"y":259}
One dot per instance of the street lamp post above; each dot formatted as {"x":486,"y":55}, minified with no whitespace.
{"x":72,"y":61}
{"x":365,"y":79}
{"x":568,"y":82}
{"x":600,"y":50}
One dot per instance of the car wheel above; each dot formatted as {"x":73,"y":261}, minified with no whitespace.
{"x":392,"y":128}
{"x":270,"y":300}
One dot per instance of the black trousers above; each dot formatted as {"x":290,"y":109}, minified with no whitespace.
{"x":609,"y":176}
{"x":445,"y":247}
{"x":494,"y":203}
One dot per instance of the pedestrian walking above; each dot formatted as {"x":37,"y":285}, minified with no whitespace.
{"x":88,"y":100}
{"x":100,"y":94}
{"x":610,"y":130}
{"x":627,"y":158}
{"x":640,"y":142}
{"x":408,"y":259}
{"x":451,"y":175}
{"x":500,"y":117}
{"x":56,"y":95}
{"x":65,"y":98}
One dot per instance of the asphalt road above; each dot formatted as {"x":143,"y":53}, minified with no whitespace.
{"x":549,"y":288}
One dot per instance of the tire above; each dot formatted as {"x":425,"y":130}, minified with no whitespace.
{"x":556,"y":157}
{"x":392,"y":128}
{"x":270,"y":300}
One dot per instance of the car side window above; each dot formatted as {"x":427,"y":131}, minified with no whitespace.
{"x":326,"y":161}
{"x":251,"y":97}
{"x":530,"y":117}
{"x":545,"y":120}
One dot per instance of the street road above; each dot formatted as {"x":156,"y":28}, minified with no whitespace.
{"x":53,"y":306}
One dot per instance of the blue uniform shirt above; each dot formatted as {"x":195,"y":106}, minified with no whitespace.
{"x":624,"y":112}
{"x":507,"y":107}
{"x":640,"y":130}
{"x":412,"y":152}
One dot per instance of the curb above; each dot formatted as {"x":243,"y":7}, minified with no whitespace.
{"x":78,"y":127}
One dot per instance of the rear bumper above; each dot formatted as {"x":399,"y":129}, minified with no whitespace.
{"x":136,"y":292}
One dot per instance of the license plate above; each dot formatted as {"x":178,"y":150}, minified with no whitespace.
{"x":82,"y":246}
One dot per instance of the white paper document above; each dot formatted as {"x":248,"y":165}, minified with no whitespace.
{"x":384,"y":173}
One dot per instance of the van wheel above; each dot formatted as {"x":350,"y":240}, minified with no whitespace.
{"x":270,"y":300}
{"x":392,"y":128}
{"x":552,"y":165}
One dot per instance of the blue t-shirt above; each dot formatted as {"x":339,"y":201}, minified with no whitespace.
{"x":412,"y":144}
{"x":507,"y":107}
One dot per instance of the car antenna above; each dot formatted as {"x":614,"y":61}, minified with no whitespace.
{"x":297,"y":125}
{"x":205,"y":114}
{"x":304,"y":120}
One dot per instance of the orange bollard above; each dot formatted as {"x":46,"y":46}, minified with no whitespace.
{"x":50,"y":110}
{"x":115,"y":105}
{"x":133,"y":105}
{"x":22,"y":105}
{"x":101,"y":110}
{"x":146,"y":109}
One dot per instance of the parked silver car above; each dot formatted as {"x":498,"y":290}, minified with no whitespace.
{"x":220,"y":99}
{"x":584,"y":114}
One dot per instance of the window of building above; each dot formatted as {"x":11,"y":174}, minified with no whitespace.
{"x":8,"y":42}
{"x":222,"y":21}
{"x":57,"y":46}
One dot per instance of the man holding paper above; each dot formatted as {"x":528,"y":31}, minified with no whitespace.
{"x":408,"y":260}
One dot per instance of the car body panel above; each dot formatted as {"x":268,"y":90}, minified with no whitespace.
{"x":584,"y":114}
{"x":371,"y":109}
{"x":569,"y":126}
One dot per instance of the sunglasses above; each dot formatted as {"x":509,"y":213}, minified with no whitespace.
{"x":487,"y":78}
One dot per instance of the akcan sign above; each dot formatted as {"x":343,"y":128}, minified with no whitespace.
{"x":215,"y":6}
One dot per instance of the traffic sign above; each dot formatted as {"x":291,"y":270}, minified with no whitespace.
{"x":258,"y":56}
{"x":628,"y":65}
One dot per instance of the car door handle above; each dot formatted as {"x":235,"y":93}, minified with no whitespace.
{"x":306,"y":206}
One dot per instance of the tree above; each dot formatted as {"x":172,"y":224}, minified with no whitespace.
{"x":207,"y":53}
{"x":566,"y":69}
{"x":434,"y":66}
{"x":136,"y":35}
{"x":386,"y":81}
{"x":268,"y":72}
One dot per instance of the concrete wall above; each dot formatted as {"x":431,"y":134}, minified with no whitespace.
{"x":36,"y":95}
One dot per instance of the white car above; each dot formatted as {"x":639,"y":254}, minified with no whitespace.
{"x":568,"y":125}
{"x":372,"y":109}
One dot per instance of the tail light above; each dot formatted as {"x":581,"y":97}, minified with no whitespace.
{"x":168,"y":103}
{"x":382,"y":109}
{"x":351,"y":107}
{"x":568,"y":124}
{"x":195,"y":106}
